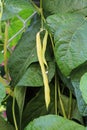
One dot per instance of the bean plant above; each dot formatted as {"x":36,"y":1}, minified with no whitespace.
{"x":43,"y":64}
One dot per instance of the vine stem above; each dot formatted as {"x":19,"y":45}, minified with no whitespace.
{"x":6,"y":98}
{"x":36,"y":7}
{"x":40,"y":3}
{"x":56,"y":112}
{"x":61,"y":103}
{"x":52,"y":41}
{"x":13,"y":110}
{"x":70,"y":105}
{"x":5,"y":50}
{"x":41,"y":12}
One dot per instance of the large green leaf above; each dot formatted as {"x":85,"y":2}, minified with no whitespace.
{"x":19,"y":93}
{"x":74,"y":113}
{"x":75,"y":79}
{"x":16,"y":24}
{"x":12,"y":8}
{"x":36,"y":107}
{"x":33,"y":75}
{"x":24,"y":54}
{"x":53,"y":122}
{"x":66,"y":81}
{"x":70,"y":40}
{"x":5,"y":125}
{"x":68,"y":20}
{"x":9,"y":111}
{"x":77,"y":116}
{"x":83,"y":87}
{"x":63,"y":6}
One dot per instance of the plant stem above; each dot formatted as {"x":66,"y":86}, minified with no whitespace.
{"x":61,"y":103}
{"x":56,"y":94}
{"x":70,"y":105}
{"x":52,"y":42}
{"x":13,"y":110}
{"x":41,"y":4}
{"x":40,"y":11}
{"x":4,"y":100}
{"x":36,"y":7}
{"x":5,"y":50}
{"x":0,"y":30}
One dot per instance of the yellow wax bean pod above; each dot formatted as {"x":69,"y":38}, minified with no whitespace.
{"x":41,"y":62}
{"x":44,"y":47}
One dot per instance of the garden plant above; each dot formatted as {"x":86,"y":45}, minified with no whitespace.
{"x":43,"y":64}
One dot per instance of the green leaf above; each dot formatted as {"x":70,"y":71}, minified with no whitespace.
{"x":83,"y":87}
{"x":75,"y":79}
{"x":65,"y":101}
{"x":1,"y":57}
{"x":12,"y":8}
{"x":33,"y":75}
{"x":5,"y":125}
{"x":19,"y":93}
{"x":74,"y":114}
{"x":37,"y":107}
{"x":24,"y":54}
{"x":3,"y":84}
{"x":2,"y":92}
{"x":9,"y":111}
{"x":77,"y":116}
{"x":67,"y":20}
{"x":16,"y":24}
{"x":70,"y":40}
{"x":64,"y":6}
{"x":66,"y":81}
{"x":53,"y":122}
